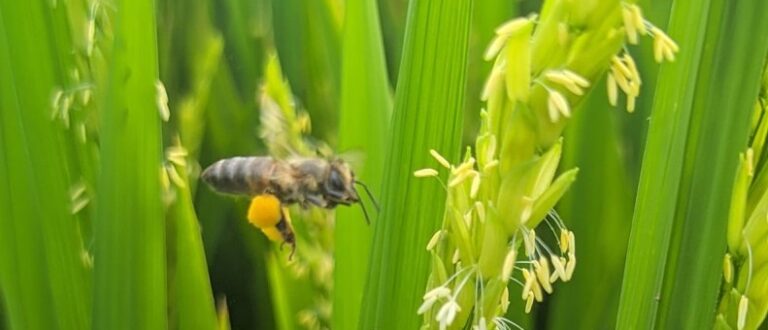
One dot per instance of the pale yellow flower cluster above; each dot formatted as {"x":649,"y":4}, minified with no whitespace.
{"x":501,"y":191}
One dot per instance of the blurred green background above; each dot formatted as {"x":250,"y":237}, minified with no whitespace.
{"x":87,"y":239}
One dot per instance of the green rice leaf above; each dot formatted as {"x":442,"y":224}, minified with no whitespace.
{"x":726,"y":87}
{"x":194,"y":307}
{"x":662,"y":170}
{"x":428,"y":112}
{"x":366,"y":106}
{"x":130,"y":262}
{"x":392,"y":13}
{"x":43,"y":276}
{"x":671,"y":279}
{"x":307,"y":38}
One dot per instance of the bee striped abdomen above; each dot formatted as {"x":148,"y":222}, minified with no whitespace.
{"x":240,"y":175}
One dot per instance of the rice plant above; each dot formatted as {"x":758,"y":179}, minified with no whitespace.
{"x":535,"y":164}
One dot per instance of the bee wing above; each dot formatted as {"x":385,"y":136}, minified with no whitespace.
{"x":278,"y":133}
{"x":285,"y":130}
{"x":354,"y":157}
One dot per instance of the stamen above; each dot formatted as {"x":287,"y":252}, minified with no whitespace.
{"x":537,"y":291}
{"x":564,"y":241}
{"x":570,"y":266}
{"x":542,"y":272}
{"x":162,"y":101}
{"x":440,"y":291}
{"x":475,"y":187}
{"x":464,"y":167}
{"x":554,"y":276}
{"x":480,"y":209}
{"x":558,"y":101}
{"x":440,"y":159}
{"x":174,"y":176}
{"x":505,"y":299}
{"x":743,"y":309}
{"x":509,"y":263}
{"x":629,"y":24}
{"x":571,"y":243}
{"x":631,"y":103}
{"x":577,"y":79}
{"x":558,"y":263}
{"x":458,"y":179}
{"x":639,"y":21}
{"x":727,"y":268}
{"x":529,"y":240}
{"x":528,"y":302}
{"x":554,"y":115}
{"x":425,"y":173}
{"x":434,"y":240}
{"x":528,"y":286}
{"x":568,"y":81}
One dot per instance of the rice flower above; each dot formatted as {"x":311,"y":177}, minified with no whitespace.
{"x":506,"y":187}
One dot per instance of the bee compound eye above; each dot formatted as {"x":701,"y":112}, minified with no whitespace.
{"x":336,"y":181}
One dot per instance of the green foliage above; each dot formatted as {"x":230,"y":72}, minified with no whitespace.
{"x":130,"y":252}
{"x":689,"y":161}
{"x":427,"y":115}
{"x":307,"y":38}
{"x":598,"y":209}
{"x":366,"y":106}
{"x":194,"y":308}
{"x":104,"y":223}
{"x":40,"y":235}
{"x":729,"y":78}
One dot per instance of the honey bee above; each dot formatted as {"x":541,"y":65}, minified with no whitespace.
{"x":297,"y":180}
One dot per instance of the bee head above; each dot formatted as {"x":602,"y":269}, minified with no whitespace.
{"x":339,"y":187}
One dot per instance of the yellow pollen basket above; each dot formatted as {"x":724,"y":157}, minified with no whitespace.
{"x":272,"y":233}
{"x":264,"y":212}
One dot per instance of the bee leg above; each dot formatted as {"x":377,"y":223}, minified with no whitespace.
{"x":336,"y":195}
{"x":317,"y":200}
{"x":293,"y":248}
{"x":293,"y":251}
{"x":286,"y":230}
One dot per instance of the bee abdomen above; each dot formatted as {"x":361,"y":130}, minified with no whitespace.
{"x":239,"y":175}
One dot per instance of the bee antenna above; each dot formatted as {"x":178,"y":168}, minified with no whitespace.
{"x":368,"y":192}
{"x":365,"y":213}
